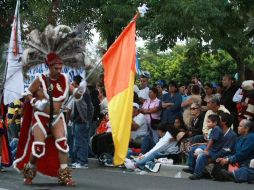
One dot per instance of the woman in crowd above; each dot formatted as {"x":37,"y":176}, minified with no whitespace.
{"x":194,"y":97}
{"x":208,"y":87}
{"x":152,"y":112}
{"x":171,"y":104}
{"x":194,"y":133}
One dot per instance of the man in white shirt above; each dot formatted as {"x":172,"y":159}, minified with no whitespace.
{"x":213,"y":107}
{"x":165,"y":146}
{"x":143,"y":92}
{"x":139,"y":127}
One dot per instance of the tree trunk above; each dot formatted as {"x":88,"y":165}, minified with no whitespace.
{"x":241,"y":71}
{"x":240,"y":64}
{"x":53,"y":12}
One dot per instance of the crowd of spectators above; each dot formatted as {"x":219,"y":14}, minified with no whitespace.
{"x":207,"y":127}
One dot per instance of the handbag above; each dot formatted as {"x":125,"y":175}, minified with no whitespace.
{"x":154,"y":123}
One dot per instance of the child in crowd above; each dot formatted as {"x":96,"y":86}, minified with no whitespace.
{"x":214,"y":145}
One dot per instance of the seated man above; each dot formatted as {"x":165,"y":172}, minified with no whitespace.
{"x":244,"y":153}
{"x":166,"y":145}
{"x":213,"y":145}
{"x":139,"y":127}
{"x":229,"y":136}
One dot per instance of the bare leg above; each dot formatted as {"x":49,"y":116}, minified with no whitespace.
{"x":59,"y":132}
{"x":64,"y":173}
{"x":29,"y":170}
{"x":38,"y":136}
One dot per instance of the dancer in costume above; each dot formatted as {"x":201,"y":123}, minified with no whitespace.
{"x":43,"y":145}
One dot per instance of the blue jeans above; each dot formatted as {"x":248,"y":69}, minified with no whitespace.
{"x":13,"y":147}
{"x":14,"y":130}
{"x":70,"y":138}
{"x":244,"y":174}
{"x":141,"y":163}
{"x":201,"y":162}
{"x":94,"y":125}
{"x":147,"y":144}
{"x":81,"y":142}
{"x":191,"y":160}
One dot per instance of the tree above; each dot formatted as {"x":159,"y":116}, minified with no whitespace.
{"x":220,"y":24}
{"x":184,"y":61}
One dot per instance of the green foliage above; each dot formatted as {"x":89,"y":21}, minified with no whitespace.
{"x":221,"y":24}
{"x":178,"y":64}
{"x":7,"y":9}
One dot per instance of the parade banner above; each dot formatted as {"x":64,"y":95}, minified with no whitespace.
{"x":71,"y":72}
{"x":13,"y":79}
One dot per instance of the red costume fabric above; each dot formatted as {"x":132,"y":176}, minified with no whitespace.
{"x":59,"y":87}
{"x":53,"y":58}
{"x":6,"y":153}
{"x":49,"y":163}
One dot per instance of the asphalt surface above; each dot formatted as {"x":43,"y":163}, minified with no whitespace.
{"x":97,"y":177}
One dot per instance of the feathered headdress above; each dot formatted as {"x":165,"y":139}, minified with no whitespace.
{"x":58,"y":43}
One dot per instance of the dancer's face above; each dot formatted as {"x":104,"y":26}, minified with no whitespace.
{"x":55,"y":70}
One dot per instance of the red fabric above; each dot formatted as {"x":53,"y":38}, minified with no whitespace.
{"x":49,"y":163}
{"x":59,"y":85}
{"x":102,"y":127}
{"x":63,"y":144}
{"x":136,"y":150}
{"x":38,"y":148}
{"x":53,"y":58}
{"x":44,"y":122}
{"x":6,"y":153}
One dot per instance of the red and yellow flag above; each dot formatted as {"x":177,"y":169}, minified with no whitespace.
{"x":119,"y":74}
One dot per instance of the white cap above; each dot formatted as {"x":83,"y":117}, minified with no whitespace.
{"x":135,"y":105}
{"x":248,"y":85}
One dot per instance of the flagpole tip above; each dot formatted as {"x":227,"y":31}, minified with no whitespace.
{"x":143,"y":10}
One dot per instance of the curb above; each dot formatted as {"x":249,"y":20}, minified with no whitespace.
{"x":172,"y":171}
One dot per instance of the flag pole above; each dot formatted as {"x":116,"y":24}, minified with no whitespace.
{"x":141,"y":11}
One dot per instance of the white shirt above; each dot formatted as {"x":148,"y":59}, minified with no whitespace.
{"x":165,"y":145}
{"x":140,"y":120}
{"x":210,"y":112}
{"x":143,"y":93}
{"x":104,"y":106}
{"x":238,"y":96}
{"x":136,"y":89}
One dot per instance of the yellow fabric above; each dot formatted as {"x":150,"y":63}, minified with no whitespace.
{"x":120,"y":116}
{"x":11,"y":111}
{"x":17,"y":102}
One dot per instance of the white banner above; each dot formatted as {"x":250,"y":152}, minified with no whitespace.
{"x":13,"y":84}
{"x":44,"y":69}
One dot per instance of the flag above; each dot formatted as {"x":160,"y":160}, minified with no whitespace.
{"x":13,"y":83}
{"x":119,"y":74}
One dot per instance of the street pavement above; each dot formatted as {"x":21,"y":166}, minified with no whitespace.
{"x":107,"y":178}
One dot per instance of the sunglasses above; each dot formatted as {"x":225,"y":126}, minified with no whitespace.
{"x":193,"y":108}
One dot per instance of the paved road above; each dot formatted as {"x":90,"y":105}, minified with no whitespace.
{"x":96,"y":178}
